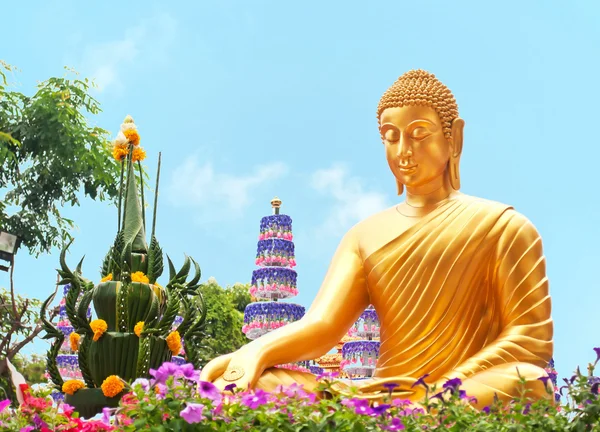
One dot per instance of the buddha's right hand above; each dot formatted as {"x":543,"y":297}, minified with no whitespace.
{"x":241,"y":368}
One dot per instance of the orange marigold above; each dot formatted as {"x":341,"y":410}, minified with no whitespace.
{"x":106,"y":278}
{"x":112,"y":386}
{"x":120,"y":151}
{"x":139,"y":276}
{"x":74,"y":341}
{"x":99,"y":327}
{"x":132,"y":136}
{"x":174,"y":342}
{"x":139,"y":328}
{"x":71,"y":386}
{"x":139,"y":154}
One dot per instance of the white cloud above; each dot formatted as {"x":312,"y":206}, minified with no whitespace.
{"x":148,"y":41}
{"x":199,"y":185}
{"x":351,"y":201}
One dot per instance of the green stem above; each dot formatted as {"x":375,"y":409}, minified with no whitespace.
{"x":120,"y":193}
{"x":142,"y":194}
{"x":126,"y":189}
{"x":156,"y":194}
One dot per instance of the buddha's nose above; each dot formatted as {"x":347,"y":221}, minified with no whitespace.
{"x":404,"y":150}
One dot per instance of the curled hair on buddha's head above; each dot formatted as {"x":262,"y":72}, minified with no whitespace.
{"x":419,"y":87}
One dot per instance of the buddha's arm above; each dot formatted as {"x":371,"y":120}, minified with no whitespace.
{"x":342,"y":298}
{"x":522,"y":286}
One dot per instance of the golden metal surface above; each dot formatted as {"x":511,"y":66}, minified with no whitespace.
{"x":459,"y":283}
{"x":233,"y":374}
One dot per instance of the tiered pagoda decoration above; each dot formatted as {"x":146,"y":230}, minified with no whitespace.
{"x":332,"y":363}
{"x":360,"y":354}
{"x":133,"y":331}
{"x":274,"y":280}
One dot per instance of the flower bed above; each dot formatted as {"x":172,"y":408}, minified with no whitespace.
{"x":175,"y":400}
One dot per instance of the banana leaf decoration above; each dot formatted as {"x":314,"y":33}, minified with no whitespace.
{"x":52,"y":333}
{"x":124,"y":297}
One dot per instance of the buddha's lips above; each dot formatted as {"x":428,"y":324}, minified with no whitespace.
{"x":408,"y":168}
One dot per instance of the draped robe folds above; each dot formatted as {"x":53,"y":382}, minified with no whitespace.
{"x":462,"y":293}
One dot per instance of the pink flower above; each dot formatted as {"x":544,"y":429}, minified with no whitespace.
{"x":3,"y":404}
{"x":192,"y":413}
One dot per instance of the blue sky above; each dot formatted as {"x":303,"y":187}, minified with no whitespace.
{"x":248,"y":100}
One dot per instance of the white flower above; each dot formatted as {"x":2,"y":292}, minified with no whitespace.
{"x":121,"y":139}
{"x":128,"y":126}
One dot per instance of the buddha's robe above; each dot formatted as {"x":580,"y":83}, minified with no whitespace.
{"x":462,"y":293}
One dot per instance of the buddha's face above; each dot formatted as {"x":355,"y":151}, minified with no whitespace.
{"x":416,"y":149}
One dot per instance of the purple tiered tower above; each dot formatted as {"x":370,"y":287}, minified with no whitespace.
{"x":360,"y":356}
{"x":274,"y":280}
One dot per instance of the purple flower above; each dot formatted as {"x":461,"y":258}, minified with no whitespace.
{"x":161,"y":390}
{"x":142,"y":382}
{"x":486,"y":409}
{"x":230,"y":387}
{"x":380,"y":409}
{"x":209,"y":390}
{"x":401,"y":402}
{"x":597,"y":350}
{"x":594,"y":388}
{"x":327,"y":376}
{"x":187,"y":371}
{"x":192,"y":413}
{"x":545,"y":380}
{"x":395,"y":425}
{"x":106,"y":416}
{"x":38,"y":422}
{"x":453,"y":384}
{"x":557,"y":397}
{"x":164,"y":371}
{"x":527,"y":409}
{"x":3,"y":404}
{"x":254,"y":400}
{"x":361,"y":406}
{"x":26,"y":429}
{"x":421,"y":382}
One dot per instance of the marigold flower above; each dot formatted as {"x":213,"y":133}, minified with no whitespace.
{"x":139,"y":276}
{"x":112,"y":386}
{"x":99,"y":327}
{"x":139,"y":328}
{"x":132,"y":136}
{"x":139,"y":154}
{"x":174,"y":342}
{"x":120,"y":151}
{"x":106,"y":278}
{"x":71,"y":386}
{"x":74,"y":341}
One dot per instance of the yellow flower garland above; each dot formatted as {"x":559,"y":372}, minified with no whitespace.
{"x":107,"y":278}
{"x":120,"y":151}
{"x":99,"y":327}
{"x":112,"y":386}
{"x":74,"y":341}
{"x":71,"y":386}
{"x":132,"y":136}
{"x":139,"y":277}
{"x":139,"y":154}
{"x":174,"y":342}
{"x":139,"y":328}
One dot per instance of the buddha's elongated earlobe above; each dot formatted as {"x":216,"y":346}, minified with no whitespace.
{"x":456,"y":146}
{"x":400,"y":187}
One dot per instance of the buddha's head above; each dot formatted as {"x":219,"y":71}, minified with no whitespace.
{"x":421,"y":130}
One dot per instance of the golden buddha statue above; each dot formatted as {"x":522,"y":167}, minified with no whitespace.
{"x":458,"y":282}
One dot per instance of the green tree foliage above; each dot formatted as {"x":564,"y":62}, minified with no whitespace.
{"x":224,"y":321}
{"x":32,"y":367}
{"x":49,"y":154}
{"x":239,"y":295}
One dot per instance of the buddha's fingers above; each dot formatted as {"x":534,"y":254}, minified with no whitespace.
{"x":215,"y":368}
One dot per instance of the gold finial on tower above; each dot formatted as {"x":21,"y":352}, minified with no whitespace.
{"x":276,"y":204}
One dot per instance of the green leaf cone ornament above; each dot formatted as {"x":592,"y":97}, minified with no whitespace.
{"x":134,"y":314}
